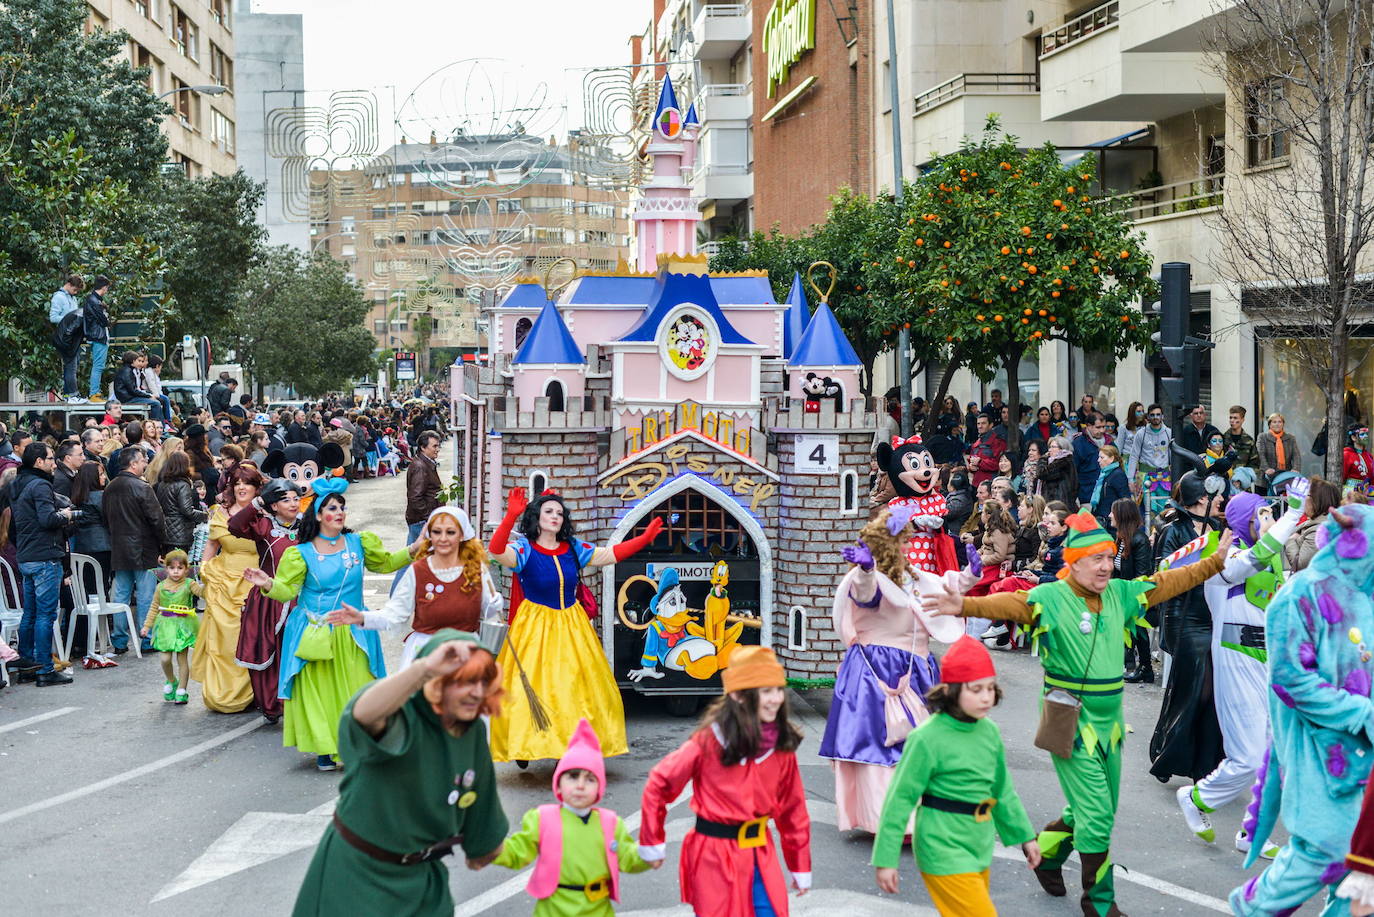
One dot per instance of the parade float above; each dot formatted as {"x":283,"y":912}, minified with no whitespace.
{"x":695,"y":397}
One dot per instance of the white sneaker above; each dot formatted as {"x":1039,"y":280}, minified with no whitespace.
{"x":992,"y":633}
{"x":1197,"y":820}
{"x":1243,"y":846}
{"x":77,"y":399}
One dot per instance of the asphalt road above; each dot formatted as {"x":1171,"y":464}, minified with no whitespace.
{"x":111,"y":799}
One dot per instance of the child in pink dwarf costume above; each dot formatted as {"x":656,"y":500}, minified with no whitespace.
{"x":578,"y":850}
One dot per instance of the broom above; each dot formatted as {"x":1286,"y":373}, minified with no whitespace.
{"x":542,"y":722}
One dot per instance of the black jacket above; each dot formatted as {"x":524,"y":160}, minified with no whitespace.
{"x":181,"y":512}
{"x":1052,"y":559}
{"x":126,"y":387}
{"x":1189,"y":438}
{"x":62,"y":481}
{"x":296,"y":433}
{"x":35,"y":526}
{"x":959,"y":506}
{"x":1059,"y":481}
{"x":218,"y":398}
{"x":134,"y":518}
{"x":95,"y":320}
{"x":1134,"y":560}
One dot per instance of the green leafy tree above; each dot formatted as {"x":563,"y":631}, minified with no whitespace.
{"x":301,"y":323}
{"x":1005,"y":249}
{"x":210,"y":236}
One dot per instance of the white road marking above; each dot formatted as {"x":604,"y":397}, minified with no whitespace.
{"x":516,"y":884}
{"x":256,"y":838}
{"x":823,"y":902}
{"x":143,"y":770}
{"x":1126,"y":874}
{"x":60,"y":711}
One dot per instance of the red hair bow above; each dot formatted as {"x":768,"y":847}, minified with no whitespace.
{"x":912,"y":440}
{"x":550,"y":492}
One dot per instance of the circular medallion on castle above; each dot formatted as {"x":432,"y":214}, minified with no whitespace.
{"x":688,"y":343}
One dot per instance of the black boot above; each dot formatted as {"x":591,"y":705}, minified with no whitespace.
{"x":1144,"y":669}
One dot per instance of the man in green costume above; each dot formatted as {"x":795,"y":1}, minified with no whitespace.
{"x":418,"y":782}
{"x":1079,"y":624}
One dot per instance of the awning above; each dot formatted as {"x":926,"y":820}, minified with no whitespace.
{"x":1121,"y":139}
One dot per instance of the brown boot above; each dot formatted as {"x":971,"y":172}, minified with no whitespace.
{"x":1056,"y":844}
{"x":1099,"y":888}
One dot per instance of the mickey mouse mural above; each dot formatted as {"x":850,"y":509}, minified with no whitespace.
{"x":915,"y":477}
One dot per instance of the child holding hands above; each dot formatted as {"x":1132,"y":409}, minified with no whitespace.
{"x":172,"y":623}
{"x":954,"y":767}
{"x":578,"y":849}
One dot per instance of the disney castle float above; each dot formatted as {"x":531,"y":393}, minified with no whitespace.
{"x":691,"y":396}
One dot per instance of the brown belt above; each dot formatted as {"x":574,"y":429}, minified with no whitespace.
{"x":432,"y":852}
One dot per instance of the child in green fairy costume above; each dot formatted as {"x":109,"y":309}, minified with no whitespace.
{"x":173,"y":625}
{"x":1080,"y":622}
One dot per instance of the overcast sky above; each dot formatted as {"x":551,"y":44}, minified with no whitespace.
{"x":376,"y":44}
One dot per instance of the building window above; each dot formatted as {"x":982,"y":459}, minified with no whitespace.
{"x":142,"y":58}
{"x":554,"y":392}
{"x":221,"y":67}
{"x":1265,"y":138}
{"x":522,"y":330}
{"x":221,"y":131}
{"x":348,"y":225}
{"x":539,"y":482}
{"x":849,"y":492}
{"x":379,"y":325}
{"x":796,"y":628}
{"x":186,"y":104}
{"x":219,"y":12}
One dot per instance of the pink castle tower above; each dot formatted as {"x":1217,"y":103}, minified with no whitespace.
{"x":666,"y":216}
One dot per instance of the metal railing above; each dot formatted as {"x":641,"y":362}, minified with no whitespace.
{"x":724,"y":89}
{"x":1179,"y":197}
{"x":725,"y":10}
{"x":976,"y":82}
{"x":1094,"y":20}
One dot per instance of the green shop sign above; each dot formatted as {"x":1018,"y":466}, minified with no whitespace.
{"x":788,"y":33}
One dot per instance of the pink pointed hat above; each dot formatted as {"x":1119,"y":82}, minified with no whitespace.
{"x":584,"y":753}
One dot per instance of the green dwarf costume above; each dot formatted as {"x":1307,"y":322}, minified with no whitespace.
{"x":1080,"y":637}
{"x":411,"y":789}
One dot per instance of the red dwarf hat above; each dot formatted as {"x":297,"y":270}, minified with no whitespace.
{"x":967,"y":660}
{"x":584,"y":753}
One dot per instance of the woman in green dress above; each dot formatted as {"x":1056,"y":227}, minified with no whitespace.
{"x":322,"y":665}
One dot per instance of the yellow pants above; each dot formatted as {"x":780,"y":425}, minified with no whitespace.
{"x":963,"y":894}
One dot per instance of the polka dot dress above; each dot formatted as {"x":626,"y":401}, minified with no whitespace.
{"x":920,"y":549}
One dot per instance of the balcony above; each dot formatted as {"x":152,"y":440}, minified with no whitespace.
{"x":1178,"y":220}
{"x":725,"y":102}
{"x":959,"y":108}
{"x":1180,"y":197}
{"x":1171,"y":25}
{"x":720,"y":30}
{"x":723,"y":183}
{"x":1086,"y":75}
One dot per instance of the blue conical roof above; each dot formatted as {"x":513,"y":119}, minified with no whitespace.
{"x":823,"y":343}
{"x":691,"y":119}
{"x":549,"y":340}
{"x":795,"y":318}
{"x":670,"y":126}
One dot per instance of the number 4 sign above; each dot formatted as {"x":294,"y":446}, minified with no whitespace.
{"x":817,"y":455}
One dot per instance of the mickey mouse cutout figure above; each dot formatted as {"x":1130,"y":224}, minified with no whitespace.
{"x":816,"y":389}
{"x":915,"y":477}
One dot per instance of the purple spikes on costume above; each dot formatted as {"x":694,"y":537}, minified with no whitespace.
{"x":1251,"y":819}
{"x":1282,"y":694}
{"x":1352,"y":544}
{"x":1357,"y":682}
{"x":1248,"y":890}
{"x":1306,"y":607}
{"x":1331,"y":609}
{"x":1307,"y":655}
{"x":1322,"y":538}
{"x":1336,"y":762}
{"x":1332,"y":873}
{"x":1287,"y":912}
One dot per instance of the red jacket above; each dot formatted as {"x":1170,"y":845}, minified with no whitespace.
{"x":716,"y":874}
{"x":1357,"y":466}
{"x":987,"y":450}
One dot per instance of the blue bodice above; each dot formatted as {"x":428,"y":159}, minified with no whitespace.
{"x":550,"y":577}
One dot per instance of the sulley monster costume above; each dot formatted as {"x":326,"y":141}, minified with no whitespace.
{"x":1320,"y":669}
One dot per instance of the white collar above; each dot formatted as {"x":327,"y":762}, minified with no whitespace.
{"x":580,"y":813}
{"x":720,"y":737}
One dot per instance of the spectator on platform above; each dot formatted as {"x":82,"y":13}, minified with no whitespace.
{"x":152,"y":381}
{"x":64,"y":303}
{"x":985,"y":451}
{"x":1278,"y":451}
{"x":128,"y":385}
{"x":1092,"y":436}
{"x":95,"y":324}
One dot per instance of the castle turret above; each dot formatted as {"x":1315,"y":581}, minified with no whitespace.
{"x":795,"y":319}
{"x":823,"y":352}
{"x":549,"y":365}
{"x":666,"y":216}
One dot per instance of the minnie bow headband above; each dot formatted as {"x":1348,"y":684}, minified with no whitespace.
{"x":912,"y":440}
{"x":324,"y":487}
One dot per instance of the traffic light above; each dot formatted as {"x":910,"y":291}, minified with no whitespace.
{"x":1174,"y":310}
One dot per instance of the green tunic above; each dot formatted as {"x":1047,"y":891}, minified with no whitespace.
{"x":584,"y":861}
{"x":403,"y":791}
{"x":955,"y":760}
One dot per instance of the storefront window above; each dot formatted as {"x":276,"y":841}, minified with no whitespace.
{"x":1093,"y":373}
{"x":1028,"y":374}
{"x":1287,"y":387}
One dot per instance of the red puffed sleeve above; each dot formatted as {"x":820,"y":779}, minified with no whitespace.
{"x":794,"y":822}
{"x":666,"y":782}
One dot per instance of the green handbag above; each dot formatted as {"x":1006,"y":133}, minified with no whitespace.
{"x":317,"y":642}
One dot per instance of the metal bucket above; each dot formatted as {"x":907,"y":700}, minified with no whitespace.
{"x":493,"y":633}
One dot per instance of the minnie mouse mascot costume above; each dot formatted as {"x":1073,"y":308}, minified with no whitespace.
{"x":915,"y":477}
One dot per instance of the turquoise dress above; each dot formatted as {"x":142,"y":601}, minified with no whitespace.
{"x":314,"y":693}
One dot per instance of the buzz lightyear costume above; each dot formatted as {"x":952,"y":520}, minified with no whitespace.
{"x":1080,"y":634}
{"x":1321,"y":659}
{"x":1238,"y":598}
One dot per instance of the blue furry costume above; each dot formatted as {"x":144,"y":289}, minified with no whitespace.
{"x":1321,"y":658}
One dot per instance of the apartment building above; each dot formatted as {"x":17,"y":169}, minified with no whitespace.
{"x":188,"y":48}
{"x":1131,"y":81}
{"x":442,"y":229}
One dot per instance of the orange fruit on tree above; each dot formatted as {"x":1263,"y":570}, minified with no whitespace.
{"x":948,"y":243}
{"x":997,"y":318}
{"x":1025,"y":230}
{"x":1055,"y":294}
{"x":1125,"y":254}
{"x":906,"y":325}
{"x":1032,"y":269}
{"x":911,"y":264}
{"x":1043,"y":313}
{"x":1025,"y":321}
{"x":1030,"y":251}
{"x":920,"y":242}
{"x":1049,"y":235}
{"x":911,"y":222}
{"x":978,"y":318}
{"x":1026,"y":312}
{"x":1006,"y":249}
{"x":1006,"y":166}
{"x":1058,"y":281}
{"x":944,"y":283}
{"x":1063,"y":225}
{"x":1125,"y":318}
{"x":986,"y":329}
{"x":1038,"y":334}
{"x":1096,"y":269}
{"x":1058,"y":202}
{"x":1069,"y":190}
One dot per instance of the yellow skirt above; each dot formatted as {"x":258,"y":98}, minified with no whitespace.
{"x":569,"y":674}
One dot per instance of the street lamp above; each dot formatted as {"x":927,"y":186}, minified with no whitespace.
{"x":203,"y":90}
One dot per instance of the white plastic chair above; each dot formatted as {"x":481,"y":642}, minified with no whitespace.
{"x":11,"y":615}
{"x":390,"y":461}
{"x":95,"y":607}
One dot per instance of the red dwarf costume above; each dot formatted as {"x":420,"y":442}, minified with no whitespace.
{"x":716,"y":873}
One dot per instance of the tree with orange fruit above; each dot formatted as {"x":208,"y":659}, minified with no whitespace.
{"x":1005,"y":249}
